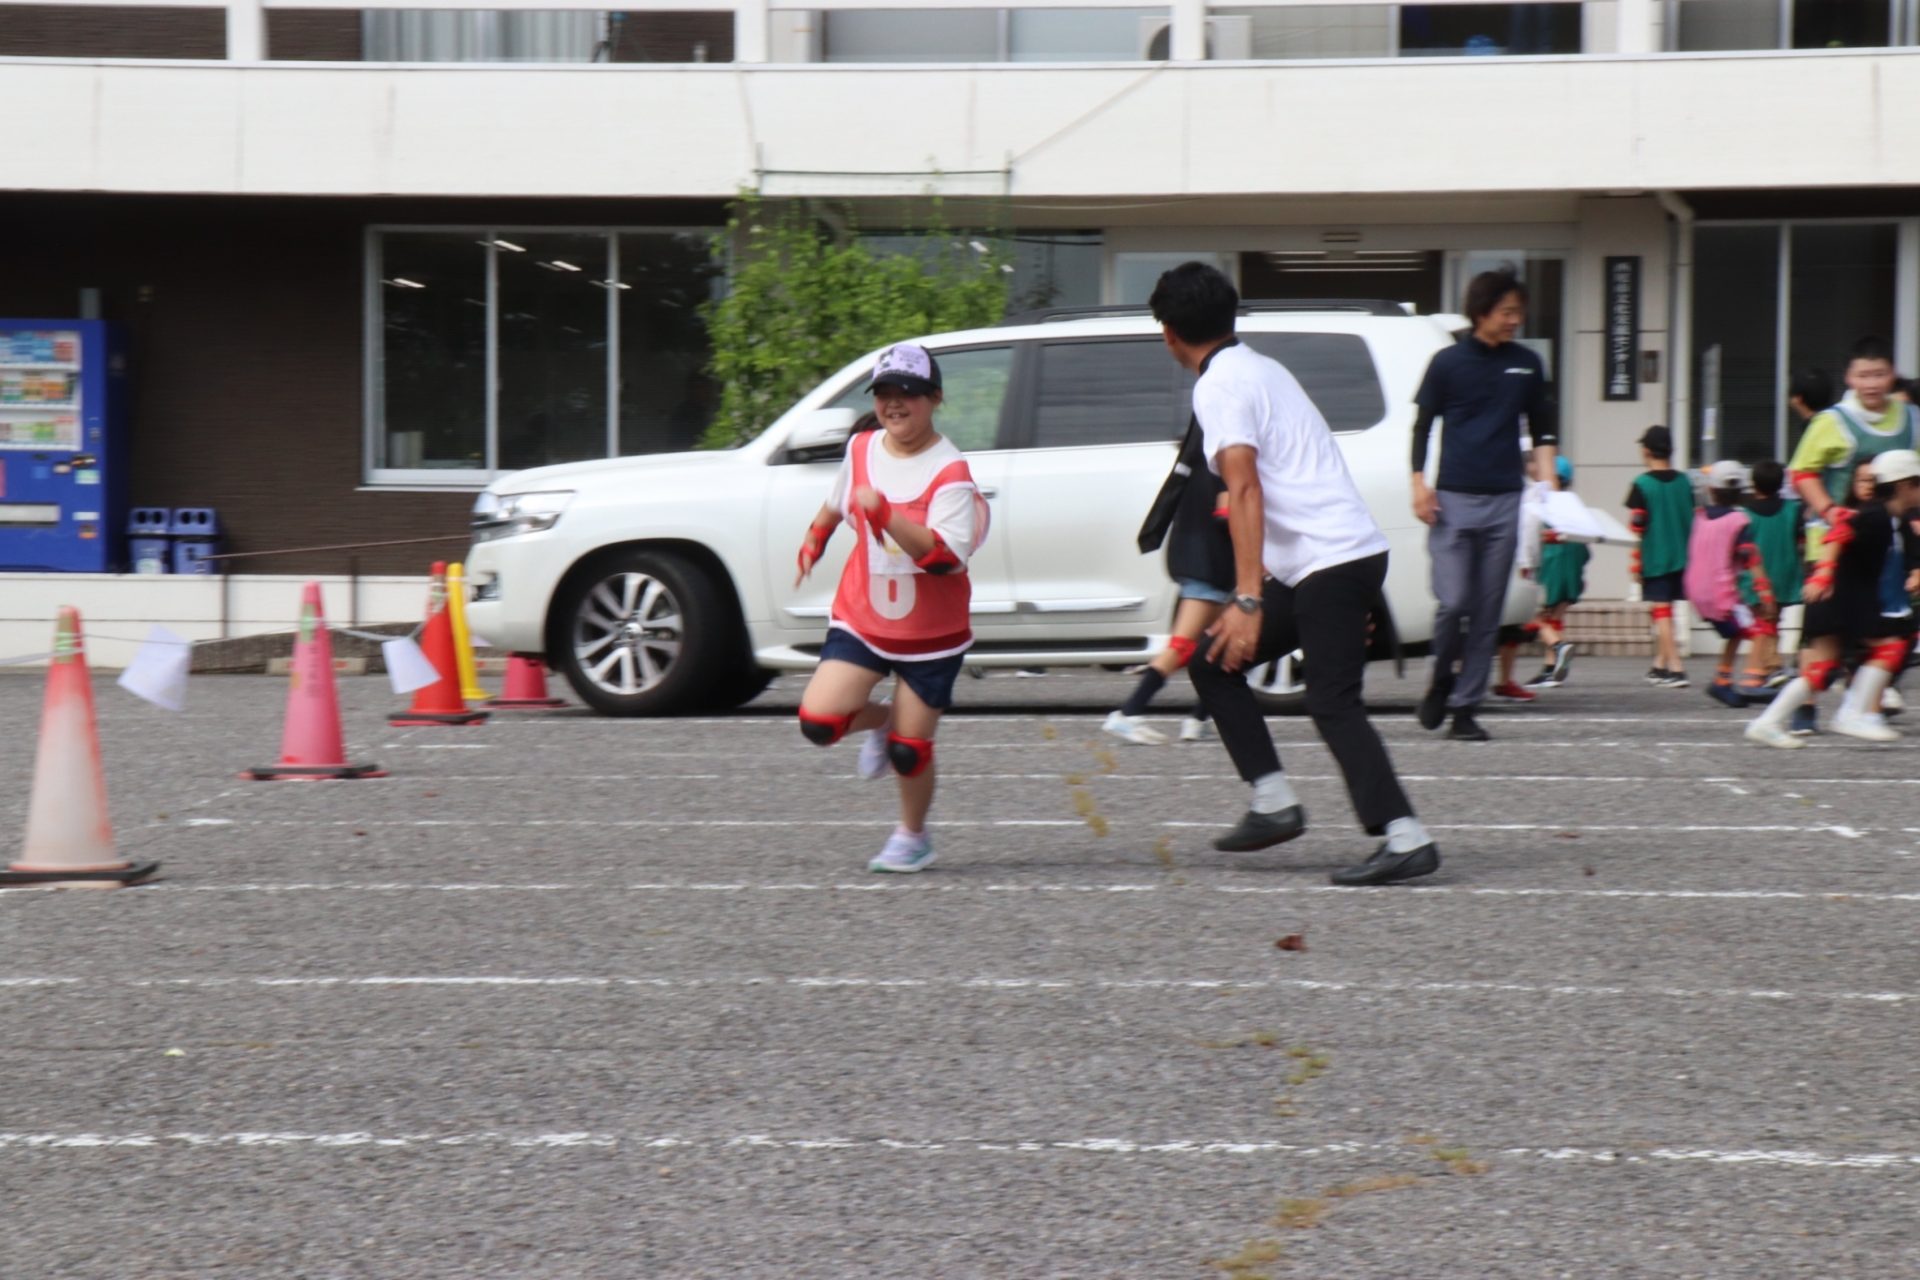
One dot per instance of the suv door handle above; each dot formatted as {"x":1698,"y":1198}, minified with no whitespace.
{"x":988,"y":491}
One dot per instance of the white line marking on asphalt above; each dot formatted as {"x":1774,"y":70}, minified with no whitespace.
{"x":359,"y":1139}
{"x":1092,"y":776}
{"x":921,"y":887}
{"x":630,"y":823}
{"x":452,"y":746}
{"x":1091,"y":720}
{"x":486,"y":981}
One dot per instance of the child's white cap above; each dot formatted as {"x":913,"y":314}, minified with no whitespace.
{"x":1728,"y":474}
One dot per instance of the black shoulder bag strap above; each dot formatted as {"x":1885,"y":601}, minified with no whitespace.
{"x":1166,"y":503}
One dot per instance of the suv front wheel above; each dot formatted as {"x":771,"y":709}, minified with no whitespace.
{"x":644,"y":633}
{"x":1279,"y":687}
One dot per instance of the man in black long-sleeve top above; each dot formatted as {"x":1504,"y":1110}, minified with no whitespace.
{"x":1481,"y":388}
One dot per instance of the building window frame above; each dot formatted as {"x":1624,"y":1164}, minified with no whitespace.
{"x":471,"y":479}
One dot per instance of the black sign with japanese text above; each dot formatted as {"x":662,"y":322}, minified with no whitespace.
{"x":1622,"y":329}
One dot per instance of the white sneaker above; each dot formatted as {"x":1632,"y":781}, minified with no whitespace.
{"x":903,"y":853}
{"x":1772,"y":735}
{"x":1192,"y":730}
{"x":1133,"y":729}
{"x":1869,"y":726}
{"x":873,"y":762}
{"x":1891,"y":703}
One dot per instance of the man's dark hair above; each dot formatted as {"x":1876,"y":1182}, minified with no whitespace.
{"x":1486,"y":291}
{"x":1196,"y":301}
{"x":1768,"y":476}
{"x":1870,"y":349}
{"x":1812,"y":388}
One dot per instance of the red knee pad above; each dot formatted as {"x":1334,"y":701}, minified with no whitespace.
{"x":1763,"y":627}
{"x":821,"y":730}
{"x":1820,"y":674}
{"x":1183,"y":648}
{"x":1531,"y":628}
{"x":911,"y":757}
{"x":1891,"y":654}
{"x":1661,"y":612}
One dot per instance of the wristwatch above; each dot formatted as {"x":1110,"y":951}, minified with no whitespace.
{"x":1247,"y":604}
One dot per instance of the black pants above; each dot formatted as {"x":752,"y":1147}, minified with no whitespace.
{"x":1325,"y":617}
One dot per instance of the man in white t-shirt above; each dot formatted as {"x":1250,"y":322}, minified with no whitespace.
{"x":1309,"y":562}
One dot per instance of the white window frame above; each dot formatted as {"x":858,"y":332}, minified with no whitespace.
{"x":445,"y":479}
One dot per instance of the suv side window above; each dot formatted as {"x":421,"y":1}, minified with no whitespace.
{"x":1335,"y":370}
{"x":1128,"y":391}
{"x":975,"y":381}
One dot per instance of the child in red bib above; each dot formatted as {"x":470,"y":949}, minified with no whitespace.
{"x":902,"y":605}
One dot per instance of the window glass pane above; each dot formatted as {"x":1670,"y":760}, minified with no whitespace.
{"x":1079,"y":35}
{"x":1135,"y":274}
{"x":667,"y":398}
{"x":1396,"y":275}
{"x":431,"y":403}
{"x":897,"y":35}
{"x":425,"y":35}
{"x":975,"y":382}
{"x":1842,"y":24}
{"x":1428,"y":30}
{"x":1707,"y":25}
{"x":1335,"y":370}
{"x":1842,"y":290}
{"x":1110,"y":393}
{"x":552,"y":347}
{"x":1053,"y":269}
{"x":1735,"y":309}
{"x":1319,"y":30}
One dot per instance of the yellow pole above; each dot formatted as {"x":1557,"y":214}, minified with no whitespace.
{"x":462,"y":638}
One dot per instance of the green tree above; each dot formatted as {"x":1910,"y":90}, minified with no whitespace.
{"x":803,"y":301}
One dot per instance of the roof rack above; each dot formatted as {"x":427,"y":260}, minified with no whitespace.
{"x":1254,"y":306}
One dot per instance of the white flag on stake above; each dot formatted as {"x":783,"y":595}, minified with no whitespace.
{"x":158,"y":671}
{"x":407,"y":667}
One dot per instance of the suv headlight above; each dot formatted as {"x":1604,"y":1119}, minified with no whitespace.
{"x":505,"y":515}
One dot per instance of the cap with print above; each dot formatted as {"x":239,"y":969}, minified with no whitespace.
{"x":908,"y":366}
{"x":1728,"y":474}
{"x":1896,"y":465}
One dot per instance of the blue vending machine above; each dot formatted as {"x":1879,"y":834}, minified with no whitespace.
{"x":63,"y":482}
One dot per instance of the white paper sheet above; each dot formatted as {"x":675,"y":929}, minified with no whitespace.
{"x":158,"y":671}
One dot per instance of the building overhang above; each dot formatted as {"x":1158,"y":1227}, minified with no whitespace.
{"x":1591,"y":124}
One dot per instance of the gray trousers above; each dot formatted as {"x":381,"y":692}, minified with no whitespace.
{"x":1471,"y":547}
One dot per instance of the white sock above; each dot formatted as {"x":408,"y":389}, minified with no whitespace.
{"x":1863,"y":695}
{"x":1273,"y":793}
{"x":1404,"y":835}
{"x":1792,"y":696}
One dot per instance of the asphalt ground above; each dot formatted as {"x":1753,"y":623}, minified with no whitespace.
{"x":574,"y":997}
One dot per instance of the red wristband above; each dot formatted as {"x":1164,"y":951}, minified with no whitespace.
{"x":879,"y":518}
{"x":812,"y":545}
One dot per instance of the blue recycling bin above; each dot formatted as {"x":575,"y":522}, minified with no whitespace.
{"x":196,"y":536}
{"x":149,"y":540}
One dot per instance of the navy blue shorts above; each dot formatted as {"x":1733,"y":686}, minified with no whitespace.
{"x":931,"y":680}
{"x":1665,"y":588}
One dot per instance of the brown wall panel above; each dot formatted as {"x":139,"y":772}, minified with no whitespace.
{"x":244,"y":319}
{"x":313,"y":35}
{"x":56,"y":31}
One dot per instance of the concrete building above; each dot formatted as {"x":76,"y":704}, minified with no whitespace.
{"x":369,"y":255}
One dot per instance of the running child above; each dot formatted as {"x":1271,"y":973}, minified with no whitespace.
{"x":902,"y":605}
{"x":1858,"y":595}
{"x":1778,"y":527}
{"x":1563,"y":580}
{"x":1661,"y":503}
{"x":1726,"y":579}
{"x":1190,"y":514}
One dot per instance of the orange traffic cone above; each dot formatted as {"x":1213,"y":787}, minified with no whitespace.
{"x":312,"y":748}
{"x":439,"y":702}
{"x":69,"y":831}
{"x":526,"y":687}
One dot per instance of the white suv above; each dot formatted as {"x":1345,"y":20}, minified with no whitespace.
{"x":664,"y":583}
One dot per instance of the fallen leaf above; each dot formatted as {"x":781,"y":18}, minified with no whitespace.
{"x":1566,"y":835}
{"x":1586,"y":871}
{"x":1293,"y":942}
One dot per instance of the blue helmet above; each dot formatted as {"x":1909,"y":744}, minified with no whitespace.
{"x":1563,"y":468}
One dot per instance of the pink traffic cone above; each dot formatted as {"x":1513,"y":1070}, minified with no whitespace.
{"x":69,"y":830}
{"x":526,"y":687}
{"x":312,"y":748}
{"x":440,"y":702}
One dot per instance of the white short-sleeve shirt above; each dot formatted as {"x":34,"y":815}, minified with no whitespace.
{"x":1314,"y":518}
{"x":953,"y":513}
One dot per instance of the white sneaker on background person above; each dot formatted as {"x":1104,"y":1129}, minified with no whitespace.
{"x":1193,"y":730}
{"x":1133,"y":729}
{"x":1868,"y":726}
{"x":1772,"y":735}
{"x":904,"y":852}
{"x":873,"y":763}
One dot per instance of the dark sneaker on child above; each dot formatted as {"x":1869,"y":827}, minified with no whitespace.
{"x":1805,"y":722}
{"x":1674,"y":680}
{"x":1656,"y":675}
{"x":1778,"y":679}
{"x":1723,"y":692}
{"x":1467,"y":729}
{"x":1562,"y":661}
{"x":1545,"y":680}
{"x":1385,"y":866}
{"x":1511,"y":692}
{"x":1263,"y":830}
{"x":1433,"y":708}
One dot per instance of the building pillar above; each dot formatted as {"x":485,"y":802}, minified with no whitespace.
{"x":1187,"y":38}
{"x":752,"y":31}
{"x":1633,"y":26}
{"x":246,"y":31}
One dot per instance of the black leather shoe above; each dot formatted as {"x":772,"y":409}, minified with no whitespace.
{"x":1433,"y":707}
{"x":1385,"y":867}
{"x":1467,"y":729}
{"x":1264,"y":830}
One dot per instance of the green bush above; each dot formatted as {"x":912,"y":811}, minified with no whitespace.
{"x":802,"y":302}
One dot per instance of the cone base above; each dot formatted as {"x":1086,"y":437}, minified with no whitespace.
{"x":527,"y":704}
{"x":413,"y":718}
{"x":475,"y":695}
{"x":313,"y":772}
{"x":26,"y":876}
